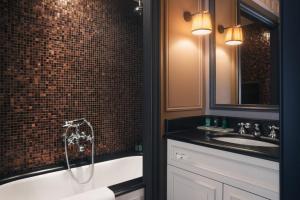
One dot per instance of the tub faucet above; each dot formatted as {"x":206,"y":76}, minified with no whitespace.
{"x":76,"y":137}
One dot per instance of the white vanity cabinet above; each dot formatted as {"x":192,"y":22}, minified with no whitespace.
{"x":183,"y":185}
{"x":202,"y":173}
{"x":231,"y":193}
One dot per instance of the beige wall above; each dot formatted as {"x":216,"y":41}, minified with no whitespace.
{"x":181,"y":67}
{"x":185,"y":56}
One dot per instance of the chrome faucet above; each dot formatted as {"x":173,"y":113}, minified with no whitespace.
{"x":79,"y":138}
{"x":273,"y":133}
{"x":76,"y":137}
{"x":257,"y":132}
{"x":243,"y":127}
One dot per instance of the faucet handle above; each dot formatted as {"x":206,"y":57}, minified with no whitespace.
{"x":273,"y":133}
{"x":241,"y":124}
{"x":89,"y":138}
{"x":247,"y":125}
{"x":243,"y":127}
{"x":274,"y":127}
{"x":257,"y":132}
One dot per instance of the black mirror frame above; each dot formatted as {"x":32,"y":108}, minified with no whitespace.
{"x":212,"y":65}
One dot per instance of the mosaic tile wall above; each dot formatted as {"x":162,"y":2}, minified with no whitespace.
{"x":62,"y":60}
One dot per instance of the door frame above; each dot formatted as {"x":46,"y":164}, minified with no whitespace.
{"x":151,"y":138}
{"x":290,"y":98}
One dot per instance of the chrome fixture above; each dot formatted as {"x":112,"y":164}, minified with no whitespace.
{"x":139,"y":8}
{"x":273,"y":133}
{"x":257,"y":132}
{"x":79,"y":138}
{"x":243,"y":127}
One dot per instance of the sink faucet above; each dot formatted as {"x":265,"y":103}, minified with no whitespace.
{"x":243,"y":127}
{"x":273,"y":133}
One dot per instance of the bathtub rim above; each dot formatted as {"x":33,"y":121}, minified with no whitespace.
{"x":126,"y":187}
{"x":63,"y":166}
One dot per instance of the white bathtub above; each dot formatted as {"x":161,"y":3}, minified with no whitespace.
{"x":57,"y":185}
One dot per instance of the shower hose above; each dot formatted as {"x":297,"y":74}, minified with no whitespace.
{"x":76,"y":124}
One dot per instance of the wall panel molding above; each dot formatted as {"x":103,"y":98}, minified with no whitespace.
{"x":183,"y":59}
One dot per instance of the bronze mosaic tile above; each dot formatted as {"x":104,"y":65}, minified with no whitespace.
{"x":62,"y":60}
{"x":256,"y":61}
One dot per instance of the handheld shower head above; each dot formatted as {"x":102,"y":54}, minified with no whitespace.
{"x":75,"y":123}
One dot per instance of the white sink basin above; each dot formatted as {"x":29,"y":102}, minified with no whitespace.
{"x":244,"y":141}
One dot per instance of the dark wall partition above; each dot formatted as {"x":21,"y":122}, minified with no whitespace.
{"x":62,"y":60}
{"x":290,"y":106}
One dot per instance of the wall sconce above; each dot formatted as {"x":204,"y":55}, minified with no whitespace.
{"x":201,"y":22}
{"x":233,"y":35}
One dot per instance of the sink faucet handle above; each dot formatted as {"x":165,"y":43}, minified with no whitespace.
{"x":247,"y":125}
{"x":243,"y":126}
{"x":274,"y":127}
{"x":257,"y":132}
{"x":241,"y":129}
{"x":273,"y":133}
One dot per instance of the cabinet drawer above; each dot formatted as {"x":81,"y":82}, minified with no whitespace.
{"x":248,"y":173}
{"x":231,"y":193}
{"x":183,"y":185}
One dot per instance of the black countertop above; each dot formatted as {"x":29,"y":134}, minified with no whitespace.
{"x":206,"y":138}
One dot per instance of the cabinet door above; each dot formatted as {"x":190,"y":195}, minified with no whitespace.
{"x":231,"y":193}
{"x":183,"y":185}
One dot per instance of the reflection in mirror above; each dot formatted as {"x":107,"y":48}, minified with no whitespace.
{"x":259,"y":81}
{"x":247,"y":74}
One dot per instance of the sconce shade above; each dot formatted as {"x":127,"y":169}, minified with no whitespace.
{"x":234,"y":36}
{"x":201,"y":23}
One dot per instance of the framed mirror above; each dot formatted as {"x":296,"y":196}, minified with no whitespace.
{"x":244,"y":56}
